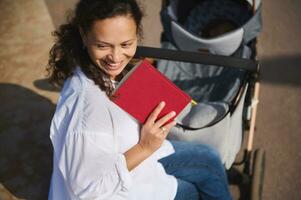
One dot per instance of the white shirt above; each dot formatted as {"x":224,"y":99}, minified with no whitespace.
{"x":89,"y":134}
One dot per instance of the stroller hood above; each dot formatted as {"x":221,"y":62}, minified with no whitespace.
{"x":183,"y":33}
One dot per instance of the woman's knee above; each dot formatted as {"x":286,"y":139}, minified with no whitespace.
{"x":196,"y":153}
{"x":200,"y":152}
{"x":208,"y":153}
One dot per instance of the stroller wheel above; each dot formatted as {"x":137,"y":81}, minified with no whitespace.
{"x":257,"y":175}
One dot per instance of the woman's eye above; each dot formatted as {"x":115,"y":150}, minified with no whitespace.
{"x":101,"y":46}
{"x":126,"y":45}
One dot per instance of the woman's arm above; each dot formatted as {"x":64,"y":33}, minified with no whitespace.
{"x":152,"y":135}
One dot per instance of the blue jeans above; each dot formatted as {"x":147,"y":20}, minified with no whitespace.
{"x":199,"y":172}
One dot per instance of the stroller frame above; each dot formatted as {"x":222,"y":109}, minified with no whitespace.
{"x":253,"y":161}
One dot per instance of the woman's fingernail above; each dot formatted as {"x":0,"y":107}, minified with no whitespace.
{"x":173,"y":113}
{"x":162,"y":103}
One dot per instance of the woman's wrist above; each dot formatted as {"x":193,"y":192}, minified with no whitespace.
{"x":136,"y":155}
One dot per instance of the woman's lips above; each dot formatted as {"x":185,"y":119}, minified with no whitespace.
{"x":113,"y":65}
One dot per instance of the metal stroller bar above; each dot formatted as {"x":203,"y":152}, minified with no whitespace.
{"x":196,"y":57}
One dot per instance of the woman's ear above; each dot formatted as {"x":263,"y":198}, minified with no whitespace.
{"x":83,"y":36}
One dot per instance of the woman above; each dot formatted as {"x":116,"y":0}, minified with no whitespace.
{"x":100,"y":152}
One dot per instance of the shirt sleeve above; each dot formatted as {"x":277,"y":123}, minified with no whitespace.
{"x":86,"y":152}
{"x":91,"y":167}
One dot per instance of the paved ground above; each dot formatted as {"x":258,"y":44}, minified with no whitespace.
{"x":278,"y":123}
{"x":27,"y":104}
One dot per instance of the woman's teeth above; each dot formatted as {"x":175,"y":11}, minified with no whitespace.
{"x":114,"y":64}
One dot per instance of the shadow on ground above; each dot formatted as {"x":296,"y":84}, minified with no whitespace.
{"x":25,"y":147}
{"x":281,"y":70}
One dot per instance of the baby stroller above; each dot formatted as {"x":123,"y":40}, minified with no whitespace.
{"x":208,"y":50}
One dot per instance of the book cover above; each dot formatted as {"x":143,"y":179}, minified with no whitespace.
{"x":143,"y":88}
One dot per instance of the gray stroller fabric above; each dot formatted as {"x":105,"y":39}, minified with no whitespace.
{"x":202,"y":114}
{"x":204,"y":83}
{"x":214,"y":87}
{"x":225,"y":136}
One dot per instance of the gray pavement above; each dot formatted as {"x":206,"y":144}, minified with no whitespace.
{"x":279,"y":119}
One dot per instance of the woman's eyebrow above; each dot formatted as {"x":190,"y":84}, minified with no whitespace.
{"x":99,"y":41}
{"x":128,"y":41}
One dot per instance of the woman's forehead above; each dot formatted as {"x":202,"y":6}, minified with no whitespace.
{"x":115,"y":29}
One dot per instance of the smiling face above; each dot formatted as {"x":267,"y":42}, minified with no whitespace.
{"x":111,"y":43}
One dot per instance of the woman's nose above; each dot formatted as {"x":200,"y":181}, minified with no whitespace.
{"x":115,"y":55}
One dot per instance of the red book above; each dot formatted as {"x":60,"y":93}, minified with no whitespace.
{"x":143,"y":88}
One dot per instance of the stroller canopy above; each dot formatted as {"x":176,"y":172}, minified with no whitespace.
{"x":193,"y":25}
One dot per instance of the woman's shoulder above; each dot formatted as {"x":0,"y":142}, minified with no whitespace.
{"x":82,"y":101}
{"x":78,"y":81}
{"x":79,"y":89}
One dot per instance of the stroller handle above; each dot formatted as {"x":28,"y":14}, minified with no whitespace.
{"x":196,"y":57}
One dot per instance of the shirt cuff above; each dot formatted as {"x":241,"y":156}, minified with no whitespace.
{"x":123,"y":172}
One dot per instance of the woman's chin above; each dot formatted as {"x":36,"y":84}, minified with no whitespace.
{"x":113,"y":73}
{"x":114,"y":70}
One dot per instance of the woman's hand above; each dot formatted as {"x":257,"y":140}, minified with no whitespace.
{"x":152,"y":136}
{"x":153,"y":132}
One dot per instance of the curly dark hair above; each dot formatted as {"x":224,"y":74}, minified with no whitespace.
{"x":68,"y":50}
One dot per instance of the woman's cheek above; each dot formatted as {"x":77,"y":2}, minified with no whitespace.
{"x":132,"y":52}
